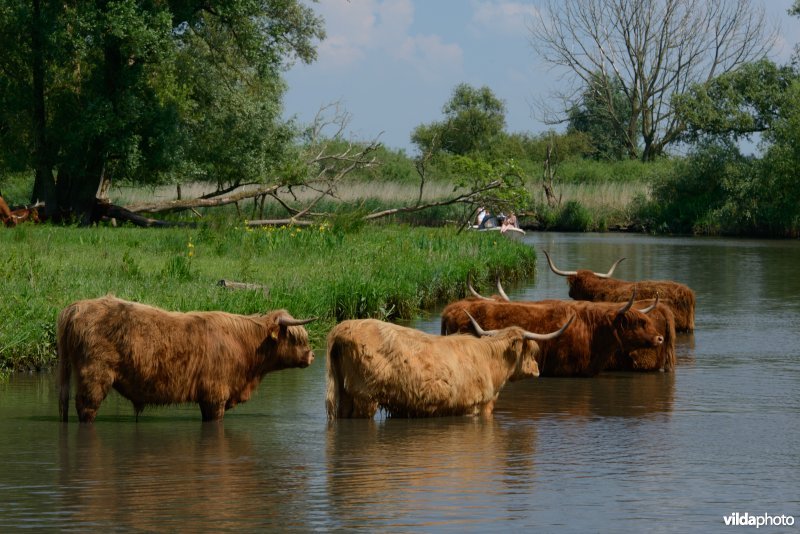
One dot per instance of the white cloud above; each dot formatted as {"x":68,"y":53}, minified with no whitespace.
{"x":430,"y":56}
{"x":509,"y":18}
{"x":360,"y":30}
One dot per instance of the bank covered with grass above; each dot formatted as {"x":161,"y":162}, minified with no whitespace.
{"x":387,"y":272}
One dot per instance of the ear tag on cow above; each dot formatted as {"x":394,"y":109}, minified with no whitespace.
{"x":274,"y":335}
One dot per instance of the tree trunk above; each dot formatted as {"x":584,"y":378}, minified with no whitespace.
{"x":44,"y":186}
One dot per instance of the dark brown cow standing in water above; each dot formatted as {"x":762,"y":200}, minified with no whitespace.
{"x":155,"y":357}
{"x":599,"y":287}
{"x":585,"y":349}
{"x":661,"y":358}
{"x":373,"y":364}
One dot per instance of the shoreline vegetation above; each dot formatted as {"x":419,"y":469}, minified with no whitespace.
{"x":330,"y":271}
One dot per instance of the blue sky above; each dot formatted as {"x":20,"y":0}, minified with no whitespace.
{"x":393,"y":64}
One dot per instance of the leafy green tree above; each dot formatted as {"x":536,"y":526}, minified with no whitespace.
{"x":736,"y":105}
{"x":473,"y":118}
{"x":718,"y":189}
{"x":145,"y":91}
{"x":603,"y":114}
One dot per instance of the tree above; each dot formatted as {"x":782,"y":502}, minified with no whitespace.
{"x":473,"y":118}
{"x":718,"y":187}
{"x":145,"y":91}
{"x":604,"y":124}
{"x":737,"y":104}
{"x":654,"y":48}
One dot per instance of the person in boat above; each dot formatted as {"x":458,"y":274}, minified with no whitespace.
{"x":481,"y":218}
{"x":509,"y":222}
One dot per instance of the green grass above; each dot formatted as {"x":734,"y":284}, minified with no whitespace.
{"x":388,"y":272}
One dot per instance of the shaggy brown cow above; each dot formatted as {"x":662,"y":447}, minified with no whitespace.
{"x":373,"y":364}
{"x":661,"y":358}
{"x":600,"y":329}
{"x":152,"y":356}
{"x":596,"y":287}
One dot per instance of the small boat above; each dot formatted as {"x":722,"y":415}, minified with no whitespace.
{"x":495,"y":224}
{"x":512,"y":232}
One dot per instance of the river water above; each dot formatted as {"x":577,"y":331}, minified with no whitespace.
{"x":620,"y":452}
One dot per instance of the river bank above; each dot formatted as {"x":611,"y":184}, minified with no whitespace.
{"x":388,"y":272}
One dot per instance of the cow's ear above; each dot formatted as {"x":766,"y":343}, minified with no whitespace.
{"x":274,"y":332}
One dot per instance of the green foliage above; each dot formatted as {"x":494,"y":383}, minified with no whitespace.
{"x":575,"y":217}
{"x":147,"y":92}
{"x":473,"y":118}
{"x":694,"y":198}
{"x":388,"y":272}
{"x":477,"y":174}
{"x":719,"y":191}
{"x":736,"y":104}
{"x":603,"y":114}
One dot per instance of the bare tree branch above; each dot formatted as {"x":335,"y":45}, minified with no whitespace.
{"x":655,"y":48}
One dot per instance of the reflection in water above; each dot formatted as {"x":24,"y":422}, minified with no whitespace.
{"x":446,"y":471}
{"x":185,"y":480}
{"x":633,"y":395}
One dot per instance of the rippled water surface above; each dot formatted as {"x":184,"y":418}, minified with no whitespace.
{"x":620,"y":452}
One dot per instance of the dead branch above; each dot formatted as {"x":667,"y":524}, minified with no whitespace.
{"x":177,"y":205}
{"x":231,"y":285}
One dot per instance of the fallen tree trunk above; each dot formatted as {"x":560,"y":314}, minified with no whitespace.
{"x":194,"y":203}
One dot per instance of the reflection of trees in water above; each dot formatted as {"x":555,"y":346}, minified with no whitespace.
{"x":186,"y":478}
{"x":432,"y":471}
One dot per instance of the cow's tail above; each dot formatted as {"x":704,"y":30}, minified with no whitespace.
{"x":63,"y":333}
{"x":335,"y":381}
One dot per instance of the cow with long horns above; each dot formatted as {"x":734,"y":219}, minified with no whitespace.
{"x":375,"y":365}
{"x":597,"y":333}
{"x":156,"y":357}
{"x":597,"y":287}
{"x":661,"y":358}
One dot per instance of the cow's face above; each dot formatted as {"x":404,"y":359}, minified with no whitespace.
{"x":635,"y":330}
{"x":526,"y":360}
{"x":292,"y":348}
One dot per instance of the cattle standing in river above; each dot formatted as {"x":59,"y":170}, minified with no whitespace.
{"x":597,"y":287}
{"x":373,"y":364}
{"x":599,"y":330}
{"x":152,"y":356}
{"x":661,"y":358}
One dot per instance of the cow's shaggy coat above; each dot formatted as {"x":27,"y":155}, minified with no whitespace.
{"x":596,"y":287}
{"x":156,"y":357}
{"x":373,"y":364}
{"x":585,"y":349}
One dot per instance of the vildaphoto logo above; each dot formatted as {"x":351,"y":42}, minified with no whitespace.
{"x":763,"y":520}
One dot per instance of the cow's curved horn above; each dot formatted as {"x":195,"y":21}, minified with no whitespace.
{"x":500,"y":290}
{"x":291,"y":321}
{"x":556,"y":269}
{"x":572,"y":273}
{"x":551,"y":335}
{"x":478,"y":330}
{"x":651,"y":307}
{"x":472,"y":289}
{"x":610,"y":271}
{"x":624,"y":309}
